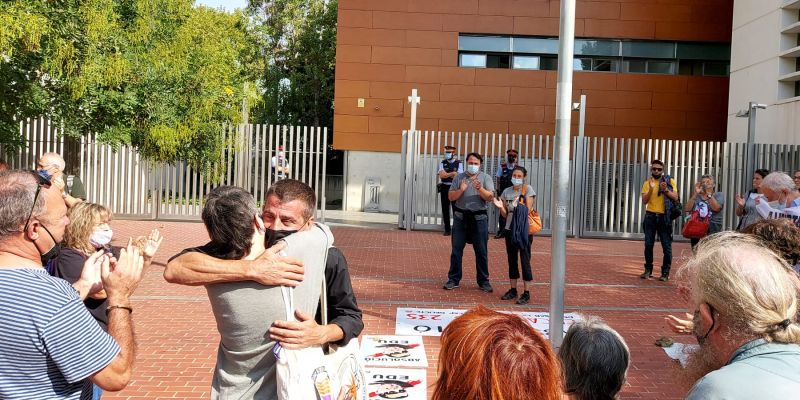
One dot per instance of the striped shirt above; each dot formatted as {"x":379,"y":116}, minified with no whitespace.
{"x":49,"y":343}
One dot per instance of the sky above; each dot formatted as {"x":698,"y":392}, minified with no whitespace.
{"x":228,"y":5}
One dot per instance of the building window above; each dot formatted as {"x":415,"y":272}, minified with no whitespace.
{"x":526,"y":62}
{"x":498,"y":61}
{"x":600,"y":55}
{"x":472,"y":60}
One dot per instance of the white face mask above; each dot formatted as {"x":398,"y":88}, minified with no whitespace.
{"x":101,"y":237}
{"x":473,"y":169}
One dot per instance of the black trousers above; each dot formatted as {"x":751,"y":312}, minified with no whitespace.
{"x":515,"y":254}
{"x":444,"y":189}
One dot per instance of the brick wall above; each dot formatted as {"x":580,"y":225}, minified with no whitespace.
{"x":387,"y":47}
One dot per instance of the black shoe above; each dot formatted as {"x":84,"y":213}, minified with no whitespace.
{"x":510,"y":294}
{"x":486,"y":287}
{"x":450,"y":285}
{"x":664,"y":278}
{"x":525,"y":298}
{"x":646,"y":274}
{"x":499,"y":235}
{"x":446,"y":233}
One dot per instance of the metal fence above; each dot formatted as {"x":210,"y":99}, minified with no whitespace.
{"x":135,"y":188}
{"x":607,"y":175}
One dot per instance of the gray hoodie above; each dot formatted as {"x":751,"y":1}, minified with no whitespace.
{"x":245,"y":311}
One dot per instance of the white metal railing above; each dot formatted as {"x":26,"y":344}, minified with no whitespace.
{"x":607,"y":175}
{"x":136,"y":188}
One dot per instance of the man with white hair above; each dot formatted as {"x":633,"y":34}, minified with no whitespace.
{"x":782,"y":199}
{"x":744,"y":301}
{"x":71,"y":186}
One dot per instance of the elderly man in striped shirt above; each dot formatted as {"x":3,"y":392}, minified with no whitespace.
{"x":50,"y":346}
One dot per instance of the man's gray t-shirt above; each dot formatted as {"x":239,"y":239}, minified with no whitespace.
{"x":471,"y":199}
{"x":244,"y":311}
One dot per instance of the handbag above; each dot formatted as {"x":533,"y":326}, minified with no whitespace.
{"x":534,"y":220}
{"x":696,"y":227}
{"x":313,"y":372}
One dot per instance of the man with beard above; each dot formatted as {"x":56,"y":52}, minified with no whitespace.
{"x":250,"y":326}
{"x":744,"y":302}
{"x":658,"y":193}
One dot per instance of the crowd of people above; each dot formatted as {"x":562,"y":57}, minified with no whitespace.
{"x":66,"y":330}
{"x":66,"y":327}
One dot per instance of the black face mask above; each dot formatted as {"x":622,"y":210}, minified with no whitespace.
{"x":53,"y":252}
{"x":512,"y":159}
{"x":273,"y":236}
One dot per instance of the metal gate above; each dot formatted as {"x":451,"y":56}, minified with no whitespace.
{"x":135,"y":188}
{"x":607,"y":175}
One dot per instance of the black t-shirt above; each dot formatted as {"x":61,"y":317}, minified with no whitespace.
{"x":68,"y":266}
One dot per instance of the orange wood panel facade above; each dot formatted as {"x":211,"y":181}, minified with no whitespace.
{"x":387,"y":47}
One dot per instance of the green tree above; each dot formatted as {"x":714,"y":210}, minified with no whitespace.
{"x":298,"y":38}
{"x":160,"y":75}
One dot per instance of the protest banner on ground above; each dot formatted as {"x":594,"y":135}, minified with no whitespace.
{"x":394,"y":383}
{"x":431,"y":322}
{"x":393,"y":351}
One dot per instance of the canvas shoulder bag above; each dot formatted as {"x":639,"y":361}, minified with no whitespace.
{"x":314,"y":372}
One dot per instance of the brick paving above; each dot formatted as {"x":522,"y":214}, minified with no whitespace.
{"x":177,"y":336}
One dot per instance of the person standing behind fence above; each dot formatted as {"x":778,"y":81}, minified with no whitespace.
{"x":280,"y":165}
{"x":471,"y":193}
{"x":706,"y":201}
{"x":657,"y":194}
{"x":746,"y":207}
{"x":507,"y":204}
{"x":71,"y":186}
{"x":503,"y":178}
{"x":448,"y":169}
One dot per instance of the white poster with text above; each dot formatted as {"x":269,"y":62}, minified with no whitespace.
{"x":393,"y":351}
{"x":431,"y":322}
{"x":393,"y":383}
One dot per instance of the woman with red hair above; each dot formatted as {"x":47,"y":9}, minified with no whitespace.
{"x":488,"y":355}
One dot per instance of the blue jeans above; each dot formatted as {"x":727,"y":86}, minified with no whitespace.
{"x":480,"y":238}
{"x":661,"y":225}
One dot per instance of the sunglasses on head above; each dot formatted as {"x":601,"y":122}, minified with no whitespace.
{"x":42,"y":180}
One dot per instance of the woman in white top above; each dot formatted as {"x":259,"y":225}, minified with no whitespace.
{"x":506,"y":204}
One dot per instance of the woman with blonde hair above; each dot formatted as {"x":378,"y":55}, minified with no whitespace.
{"x":87,"y":233}
{"x":488,"y":355}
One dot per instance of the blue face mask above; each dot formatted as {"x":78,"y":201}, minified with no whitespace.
{"x":473,"y":169}
{"x":448,"y":156}
{"x":516,"y":181}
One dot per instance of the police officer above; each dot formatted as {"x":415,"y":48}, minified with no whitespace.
{"x":448,"y":168}
{"x":503,"y":181}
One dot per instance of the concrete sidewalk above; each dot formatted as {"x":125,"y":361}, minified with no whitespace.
{"x":391,"y":268}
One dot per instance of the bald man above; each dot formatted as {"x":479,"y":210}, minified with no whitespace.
{"x":71,"y":186}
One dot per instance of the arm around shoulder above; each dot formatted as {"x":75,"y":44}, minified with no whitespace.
{"x":196,"y":269}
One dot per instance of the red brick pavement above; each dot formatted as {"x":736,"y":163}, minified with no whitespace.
{"x":177,"y":335}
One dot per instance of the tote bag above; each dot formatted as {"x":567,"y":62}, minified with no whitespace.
{"x":312,"y":373}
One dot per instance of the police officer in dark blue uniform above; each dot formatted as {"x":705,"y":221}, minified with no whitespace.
{"x":503,"y":181}
{"x":448,"y":168}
